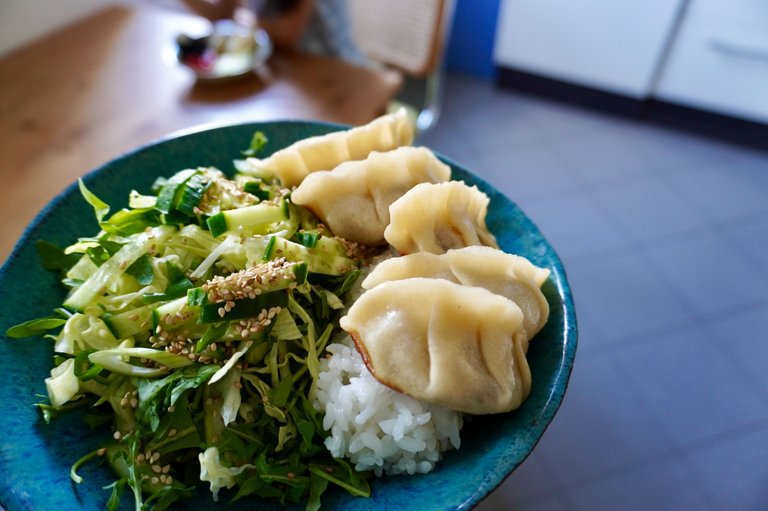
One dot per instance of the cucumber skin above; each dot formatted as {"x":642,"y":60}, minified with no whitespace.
{"x":243,"y":309}
{"x":249,"y":217}
{"x":318,"y":261}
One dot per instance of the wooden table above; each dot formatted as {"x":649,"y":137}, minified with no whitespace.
{"x":84,"y":95}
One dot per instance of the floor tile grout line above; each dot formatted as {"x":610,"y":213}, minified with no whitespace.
{"x":707,"y":443}
{"x":669,"y":451}
{"x":673,"y":452}
{"x":746,"y":428}
{"x":624,"y":342}
{"x":691,"y":201}
{"x":728,"y":356}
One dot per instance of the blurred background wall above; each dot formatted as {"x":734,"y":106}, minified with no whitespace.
{"x":471,"y":41}
{"x":22,"y":21}
{"x":470,"y":49}
{"x":705,"y":54}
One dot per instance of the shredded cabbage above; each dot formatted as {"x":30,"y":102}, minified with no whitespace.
{"x":213,"y":472}
{"x":169,"y":335}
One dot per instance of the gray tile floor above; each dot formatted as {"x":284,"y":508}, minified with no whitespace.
{"x":664,"y":236}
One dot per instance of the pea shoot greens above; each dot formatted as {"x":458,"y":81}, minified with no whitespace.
{"x":193,"y":326}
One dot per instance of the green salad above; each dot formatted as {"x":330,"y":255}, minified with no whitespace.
{"x":193,"y":326}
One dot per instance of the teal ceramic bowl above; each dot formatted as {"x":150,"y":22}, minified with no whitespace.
{"x":35,"y":457}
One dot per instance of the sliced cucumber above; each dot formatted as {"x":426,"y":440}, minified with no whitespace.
{"x":132,"y":322}
{"x":191,"y":194}
{"x":318,"y":261}
{"x":331,"y":246}
{"x":242,"y":309}
{"x":307,"y":238}
{"x":253,"y":219}
{"x":253,"y":185}
{"x":174,"y":314}
{"x":115,"y":266}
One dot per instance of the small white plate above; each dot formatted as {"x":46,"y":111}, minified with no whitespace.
{"x":230,"y":50}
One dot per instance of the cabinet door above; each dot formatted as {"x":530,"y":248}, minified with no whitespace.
{"x":719,"y":61}
{"x":606,"y":44}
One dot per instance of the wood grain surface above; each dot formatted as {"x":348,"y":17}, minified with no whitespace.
{"x":84,"y":95}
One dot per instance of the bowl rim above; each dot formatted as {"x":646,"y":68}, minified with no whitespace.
{"x":559,"y":382}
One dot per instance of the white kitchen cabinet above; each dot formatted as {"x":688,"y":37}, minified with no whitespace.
{"x":719,"y":59}
{"x":710,"y":55}
{"x":604,"y":44}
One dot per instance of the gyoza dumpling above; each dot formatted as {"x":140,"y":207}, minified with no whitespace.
{"x":509,"y":275}
{"x":324,"y":152}
{"x":456,"y":346}
{"x":353,"y":199}
{"x":438,"y":217}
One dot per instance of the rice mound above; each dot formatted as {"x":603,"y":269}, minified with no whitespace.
{"x":375,"y":427}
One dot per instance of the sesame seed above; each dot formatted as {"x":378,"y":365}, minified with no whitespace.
{"x":117,"y":435}
{"x":154,"y":480}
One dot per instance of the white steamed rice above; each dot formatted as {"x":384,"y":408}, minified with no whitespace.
{"x":375,"y":427}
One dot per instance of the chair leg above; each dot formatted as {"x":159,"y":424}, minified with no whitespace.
{"x":433,"y":99}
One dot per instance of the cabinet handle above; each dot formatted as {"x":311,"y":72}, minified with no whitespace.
{"x":739,"y":47}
